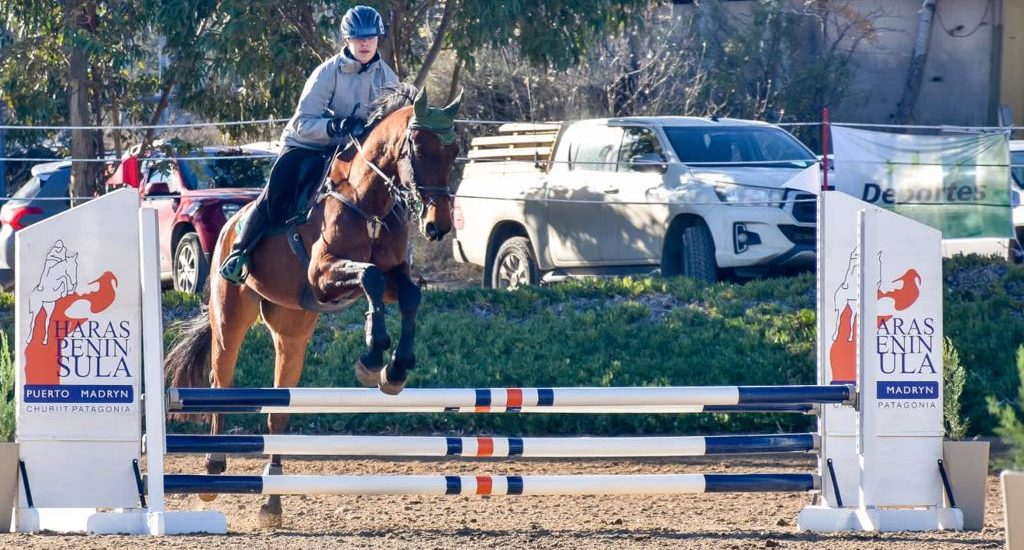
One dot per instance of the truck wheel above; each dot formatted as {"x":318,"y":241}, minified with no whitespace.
{"x":514,"y":265}
{"x":190,"y":265}
{"x":697,"y":254}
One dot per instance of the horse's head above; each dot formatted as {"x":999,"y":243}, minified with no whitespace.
{"x":71,"y":268}
{"x":425,"y":163}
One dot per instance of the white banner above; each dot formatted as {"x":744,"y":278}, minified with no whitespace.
{"x":956,"y":184}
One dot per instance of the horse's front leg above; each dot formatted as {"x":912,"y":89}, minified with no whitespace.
{"x":48,"y":309}
{"x":341,"y":278}
{"x":404,"y":358}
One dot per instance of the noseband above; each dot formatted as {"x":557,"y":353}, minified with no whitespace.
{"x":423,"y":196}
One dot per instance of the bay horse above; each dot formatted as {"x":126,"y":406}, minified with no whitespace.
{"x":356,"y":242}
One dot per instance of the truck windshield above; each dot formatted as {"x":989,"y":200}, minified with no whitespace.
{"x":219,"y":173}
{"x":768,"y":147}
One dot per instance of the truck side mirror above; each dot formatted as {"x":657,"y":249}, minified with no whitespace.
{"x":648,"y":162}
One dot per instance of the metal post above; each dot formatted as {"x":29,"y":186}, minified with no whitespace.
{"x":3,"y":151}
{"x":825,"y":162}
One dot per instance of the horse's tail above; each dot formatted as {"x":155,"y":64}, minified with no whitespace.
{"x":187,"y":365}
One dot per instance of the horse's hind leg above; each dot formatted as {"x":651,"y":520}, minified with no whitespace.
{"x":291,"y":331}
{"x":233,"y":310}
{"x":408,"y":292}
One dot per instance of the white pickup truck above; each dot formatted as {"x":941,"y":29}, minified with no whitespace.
{"x":689,"y":196}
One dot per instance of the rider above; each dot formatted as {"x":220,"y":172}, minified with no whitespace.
{"x":334,"y":104}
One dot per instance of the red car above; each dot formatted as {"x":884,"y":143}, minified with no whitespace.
{"x":195,"y":196}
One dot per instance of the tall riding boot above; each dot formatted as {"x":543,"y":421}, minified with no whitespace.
{"x":234,"y":269}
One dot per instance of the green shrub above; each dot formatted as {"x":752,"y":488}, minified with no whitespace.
{"x":984,"y":317}
{"x":7,"y":401}
{"x":953,"y":379}
{"x":1010,"y":427}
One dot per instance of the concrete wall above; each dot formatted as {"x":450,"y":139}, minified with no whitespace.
{"x":959,"y":86}
{"x":1011,"y":85}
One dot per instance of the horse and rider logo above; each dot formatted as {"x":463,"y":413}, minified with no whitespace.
{"x":59,"y":312}
{"x":893,"y":295}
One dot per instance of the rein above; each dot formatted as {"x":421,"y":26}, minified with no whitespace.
{"x":402,"y":196}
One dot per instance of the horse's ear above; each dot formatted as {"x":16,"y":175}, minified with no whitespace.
{"x":453,"y":108}
{"x":420,"y":103}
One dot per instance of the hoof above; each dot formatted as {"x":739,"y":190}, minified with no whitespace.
{"x":367,"y":376}
{"x":216,"y":463}
{"x":389,"y":387}
{"x":207,"y":497}
{"x":270,"y":513}
{"x":268,"y":519}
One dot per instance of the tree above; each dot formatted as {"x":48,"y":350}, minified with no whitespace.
{"x":65,"y":63}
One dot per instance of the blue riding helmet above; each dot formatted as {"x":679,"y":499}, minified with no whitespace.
{"x":362,"y":22}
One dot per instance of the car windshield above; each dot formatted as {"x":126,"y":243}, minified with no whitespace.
{"x":769,"y":147}
{"x":1017,"y":170}
{"x":219,"y":173}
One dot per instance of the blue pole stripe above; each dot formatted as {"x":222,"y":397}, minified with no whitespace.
{"x":793,"y":394}
{"x":454,"y":446}
{"x":760,"y":408}
{"x":545,"y":397}
{"x":217,"y":484}
{"x":483,"y":398}
{"x":453,"y":485}
{"x":234,"y":397}
{"x":515,"y":446}
{"x":742,"y":444}
{"x":215,"y":444}
{"x":515,"y":485}
{"x":203,"y":409}
{"x":758,"y":483}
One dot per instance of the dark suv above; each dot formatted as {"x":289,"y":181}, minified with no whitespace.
{"x":194,"y":196}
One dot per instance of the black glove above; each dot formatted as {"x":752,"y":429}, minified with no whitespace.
{"x":345,"y":125}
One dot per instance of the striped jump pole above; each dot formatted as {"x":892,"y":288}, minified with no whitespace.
{"x":671,"y":484}
{"x":316,"y":399}
{"x":530,"y":447}
{"x":800,"y":408}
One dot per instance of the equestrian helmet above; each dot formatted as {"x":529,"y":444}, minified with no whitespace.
{"x":362,"y":22}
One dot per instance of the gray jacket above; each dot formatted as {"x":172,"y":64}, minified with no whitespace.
{"x":337,"y":86}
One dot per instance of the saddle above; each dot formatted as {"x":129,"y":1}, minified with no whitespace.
{"x":311,"y":175}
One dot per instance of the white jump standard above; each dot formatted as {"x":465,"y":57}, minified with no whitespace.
{"x":879,"y":438}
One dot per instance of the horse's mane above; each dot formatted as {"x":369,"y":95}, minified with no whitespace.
{"x":393,"y":99}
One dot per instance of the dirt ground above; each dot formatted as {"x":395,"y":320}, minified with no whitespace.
{"x":729,"y":521}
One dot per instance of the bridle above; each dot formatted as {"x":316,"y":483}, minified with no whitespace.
{"x":406,"y":198}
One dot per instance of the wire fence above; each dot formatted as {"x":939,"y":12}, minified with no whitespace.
{"x":611,"y":166}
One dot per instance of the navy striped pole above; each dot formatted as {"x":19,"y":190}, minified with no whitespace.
{"x":531,"y":447}
{"x":651,"y":484}
{"x":802,"y":408}
{"x":195,"y":399}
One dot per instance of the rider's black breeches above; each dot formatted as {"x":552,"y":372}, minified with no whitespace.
{"x":292,"y":179}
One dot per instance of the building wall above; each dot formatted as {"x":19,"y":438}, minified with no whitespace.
{"x":1011,"y":83}
{"x":958,"y":81}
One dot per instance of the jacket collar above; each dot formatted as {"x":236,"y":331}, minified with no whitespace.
{"x":347,"y":59}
